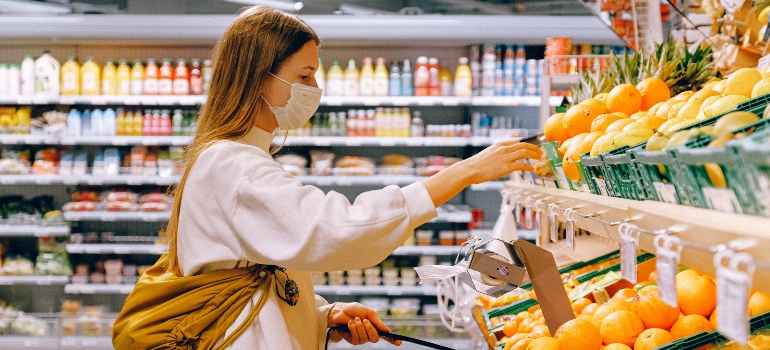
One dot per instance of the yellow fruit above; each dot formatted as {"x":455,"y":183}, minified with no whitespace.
{"x":652,"y":338}
{"x":759,"y":303}
{"x":621,"y":327}
{"x":639,"y":114}
{"x":762,"y":16}
{"x":683,"y":123}
{"x":666,"y":128}
{"x":619,"y":125}
{"x":600,"y":106}
{"x":657,"y":142}
{"x":654,"y":109}
{"x":590,"y":310}
{"x":710,"y":84}
{"x":696,"y":296}
{"x":554,"y":128}
{"x":590,"y":139}
{"x":616,"y":346}
{"x":664,"y":109}
{"x":544,"y":343}
{"x":653,"y":121}
{"x":522,"y":344}
{"x":578,"y":335}
{"x":684,"y":96}
{"x":603,"y":121}
{"x":673,"y":112}
{"x":580,"y":304}
{"x":632,"y":137}
{"x":762,"y":87}
{"x":690,"y":109}
{"x":523,"y":325}
{"x":680,"y":138}
{"x":564,"y":146}
{"x":510,"y":328}
{"x":624,"y":98}
{"x":689,"y":325}
{"x":723,"y":105}
{"x":716,"y":175}
{"x":601,"y":97}
{"x":742,"y":81}
{"x":654,"y":313}
{"x":578,"y":118}
{"x":624,"y":294}
{"x":653,"y":90}
{"x":542,"y":330}
{"x":713,"y":318}
{"x":733,"y":121}
{"x":703,"y":94}
{"x":608,"y":308}
{"x":571,"y":157}
{"x":621,"y":114}
{"x":719,"y":86}
{"x":640,"y":126}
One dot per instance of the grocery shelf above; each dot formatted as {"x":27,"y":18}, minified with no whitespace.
{"x":376,"y":290}
{"x":427,"y":250}
{"x":116,"y":216}
{"x":9,"y":342}
{"x":93,"y":180}
{"x":488,"y":186}
{"x":33,"y":280}
{"x":33,"y":230}
{"x":98,"y":288}
{"x":28,"y":139}
{"x":149,"y":249}
{"x":128,"y":140}
{"x":86,"y":343}
{"x":456,"y":217}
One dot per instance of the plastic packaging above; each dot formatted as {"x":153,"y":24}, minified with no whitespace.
{"x":28,"y":75}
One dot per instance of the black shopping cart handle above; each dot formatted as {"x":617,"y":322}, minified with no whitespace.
{"x":344,"y":328}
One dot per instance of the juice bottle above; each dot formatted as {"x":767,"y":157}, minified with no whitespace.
{"x":422,"y":77}
{"x":335,"y":80}
{"x":366,"y":84}
{"x":463,"y":85}
{"x":151,"y":74}
{"x":109,"y":78}
{"x":97,"y":121}
{"x":28,"y":75}
{"x":155,"y":123}
{"x":196,"y":79}
{"x":176,"y":123}
{"x":14,"y":79}
{"x":165,"y":123}
{"x":3,"y":79}
{"x":207,"y":72}
{"x":137,"y":78}
{"x":73,"y":123}
{"x":47,"y":75}
{"x":138,"y":123}
{"x":395,"y":81}
{"x":166,"y":78}
{"x":120,"y":122}
{"x":90,"y":75}
{"x":445,"y":79}
{"x":70,"y":77}
{"x":320,"y":76}
{"x":181,"y":78}
{"x":407,"y":85}
{"x":123,"y":86}
{"x":499,"y":73}
{"x":381,"y":79}
{"x":147,"y":123}
{"x":351,"y":79}
{"x":434,"y":86}
{"x":108,"y":123}
{"x":509,"y":67}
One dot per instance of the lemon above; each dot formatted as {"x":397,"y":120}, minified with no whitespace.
{"x":641,"y":126}
{"x":742,"y":81}
{"x":690,"y":110}
{"x":734,"y":121}
{"x":657,"y":142}
{"x":724,"y":104}
{"x":605,"y":143}
{"x":665,"y":128}
{"x":601,"y":97}
{"x":679,"y":138}
{"x":682,"y":124}
{"x":762,"y":87}
{"x":720,"y":86}
{"x":632,"y":137}
{"x":762,"y":16}
{"x":684,"y":96}
{"x":673,"y":112}
{"x":618,"y":125}
{"x":709,"y":100}
{"x":711,"y":83}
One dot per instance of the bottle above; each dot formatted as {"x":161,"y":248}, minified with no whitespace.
{"x":155,"y":123}
{"x":407,"y":85}
{"x":509,"y":68}
{"x":176,"y":123}
{"x":109,"y":78}
{"x":196,"y":79}
{"x":3,"y":79}
{"x":137,"y":122}
{"x":341,"y":124}
{"x":181,"y":84}
{"x":351,"y":123}
{"x":47,"y":75}
{"x":108,"y":123}
{"x":371,"y":123}
{"x":520,"y":61}
{"x":137,"y":78}
{"x":207,"y":72}
{"x":28,"y":75}
{"x":474,"y":63}
{"x":123,"y":86}
{"x":70,"y":77}
{"x":120,"y":122}
{"x":488,"y":71}
{"x":73,"y":123}
{"x":422,"y":77}
{"x":499,"y":78}
{"x":381,"y":78}
{"x":463,"y":86}
{"x":320,"y":76}
{"x":395,"y":81}
{"x":434,"y":84}
{"x":351,"y":79}
{"x":90,"y":75}
{"x":146,"y":123}
{"x":379,"y":122}
{"x":417,"y":128}
{"x":97,"y":121}
{"x":14,"y":79}
{"x":446,"y":82}
{"x":335,"y":80}
{"x":85,"y":123}
{"x":151,"y":74}
{"x":165,"y":128}
{"x":166,"y":78}
{"x":316,"y":128}
{"x":366,"y":84}
{"x":332,"y":124}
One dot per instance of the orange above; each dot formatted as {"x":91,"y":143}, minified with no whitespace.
{"x":624,"y":294}
{"x":565,"y":146}
{"x":652,"y":120}
{"x":590,"y":309}
{"x":594,"y":103}
{"x":713,"y":319}
{"x":586,"y":318}
{"x":652,"y":338}
{"x":522,"y":315}
{"x":621,"y":327}
{"x":510,"y":328}
{"x":554,"y":128}
{"x":759,"y":303}
{"x":690,"y":325}
{"x":608,"y":308}
{"x":580,"y":304}
{"x":686,"y":274}
{"x":571,"y":157}
{"x":603,"y":121}
{"x":696,"y":296}
{"x":624,"y":98}
{"x":578,"y":118}
{"x":537,"y":314}
{"x":602,"y":97}
{"x":544,"y":343}
{"x":578,"y":335}
{"x":513,"y":340}
{"x":654,"y":313}
{"x":616,"y":346}
{"x":523,"y":325}
{"x":653,"y":90}
{"x":591,"y":138}
{"x":648,"y":290}
{"x":541,"y":329}
{"x":521,"y":344}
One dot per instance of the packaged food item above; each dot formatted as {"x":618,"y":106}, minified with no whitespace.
{"x":424,"y":237}
{"x":81,"y":206}
{"x":354,"y":166}
{"x":396,"y":164}
{"x":97,"y":278}
{"x":90,"y":324}
{"x":18,"y":266}
{"x":336,"y":278}
{"x":321,"y":162}
{"x":156,"y":197}
{"x":85,"y":196}
{"x":121,"y":206}
{"x":405,"y":309}
{"x":432,"y":165}
{"x":293,"y":164}
{"x":46,"y":162}
{"x":378,"y":305}
{"x":120,"y":196}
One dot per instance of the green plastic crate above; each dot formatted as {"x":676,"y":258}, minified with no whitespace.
{"x":590,"y":169}
{"x":655,"y":168}
{"x":622,"y":172}
{"x":555,"y":160}
{"x":755,"y":155}
{"x":515,"y":308}
{"x":698,"y":340}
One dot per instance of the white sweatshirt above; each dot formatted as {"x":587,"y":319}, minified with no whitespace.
{"x":239,"y":204}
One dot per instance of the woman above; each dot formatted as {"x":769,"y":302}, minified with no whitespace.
{"x":235,"y":206}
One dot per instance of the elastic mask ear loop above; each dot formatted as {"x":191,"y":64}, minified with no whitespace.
{"x":279,"y":78}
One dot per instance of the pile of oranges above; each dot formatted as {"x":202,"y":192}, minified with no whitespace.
{"x":632,"y":319}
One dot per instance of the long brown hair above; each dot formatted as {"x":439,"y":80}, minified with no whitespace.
{"x":256,"y":43}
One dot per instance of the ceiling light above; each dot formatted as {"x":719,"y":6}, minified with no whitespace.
{"x":277,"y":4}
{"x":32,"y":7}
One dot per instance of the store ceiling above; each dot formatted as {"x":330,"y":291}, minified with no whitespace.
{"x":309,"y":7}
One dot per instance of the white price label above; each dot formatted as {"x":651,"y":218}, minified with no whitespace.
{"x":517,"y":213}
{"x":544,"y":227}
{"x":571,"y":235}
{"x":602,"y":186}
{"x":563,"y":182}
{"x":733,"y":286}
{"x":528,"y":219}
{"x":586,"y":189}
{"x":628,"y":250}
{"x":723,"y":200}
{"x":554,"y":223}
{"x":764,"y":62}
{"x":666,"y":192}
{"x":668,"y":250}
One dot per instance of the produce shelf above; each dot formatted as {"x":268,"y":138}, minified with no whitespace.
{"x":10,"y":342}
{"x":86,"y":343}
{"x":149,"y":249}
{"x":33,"y":230}
{"x":33,"y":280}
{"x":376,"y":290}
{"x":98,"y":288}
{"x":116,"y":216}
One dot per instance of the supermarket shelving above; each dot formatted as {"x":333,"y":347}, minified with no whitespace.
{"x":376,"y":290}
{"x":33,"y":280}
{"x":85,"y":343}
{"x":427,"y":250}
{"x":20,"y":342}
{"x":448,"y":342}
{"x":98,"y":288}
{"x":149,"y":249}
{"x":33,"y":230}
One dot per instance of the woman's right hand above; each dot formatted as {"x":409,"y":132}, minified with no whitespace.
{"x":500,"y":159}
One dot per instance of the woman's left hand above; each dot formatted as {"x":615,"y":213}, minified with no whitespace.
{"x":362,"y":323}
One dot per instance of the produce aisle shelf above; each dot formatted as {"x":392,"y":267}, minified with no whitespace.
{"x":455,"y":217}
{"x":33,"y":230}
{"x":149,"y":249}
{"x":427,"y":250}
{"x":98,"y":288}
{"x":376,"y":290}
{"x":33,"y":280}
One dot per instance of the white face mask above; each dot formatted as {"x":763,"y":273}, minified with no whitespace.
{"x":299,"y":109}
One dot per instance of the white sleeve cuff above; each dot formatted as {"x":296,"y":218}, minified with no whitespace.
{"x":419,"y":204}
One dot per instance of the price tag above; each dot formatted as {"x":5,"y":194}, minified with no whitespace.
{"x":764,"y":62}
{"x":563,"y":182}
{"x":733,"y":286}
{"x":528,"y":219}
{"x":668,"y":250}
{"x":554,"y":222}
{"x":666,"y":192}
{"x":601,"y":185}
{"x":570,"y":230}
{"x":721,"y":199}
{"x":628,"y":249}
